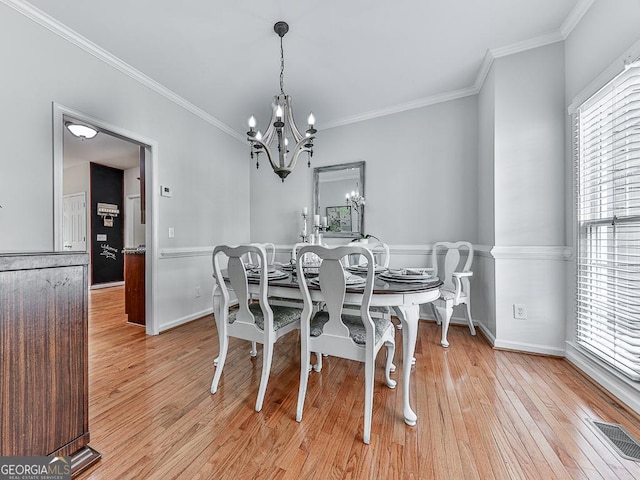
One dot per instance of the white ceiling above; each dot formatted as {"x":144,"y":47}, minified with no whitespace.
{"x":343,"y":60}
{"x":104,"y":149}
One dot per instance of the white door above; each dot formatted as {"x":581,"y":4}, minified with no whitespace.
{"x":74,"y":222}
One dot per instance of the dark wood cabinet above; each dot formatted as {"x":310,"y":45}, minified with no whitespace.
{"x":43,"y":354}
{"x":134,"y":285}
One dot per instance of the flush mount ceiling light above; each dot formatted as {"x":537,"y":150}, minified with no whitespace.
{"x":81,"y":131}
{"x":282,"y":128}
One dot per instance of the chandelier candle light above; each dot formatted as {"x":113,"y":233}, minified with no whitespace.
{"x":281,"y":128}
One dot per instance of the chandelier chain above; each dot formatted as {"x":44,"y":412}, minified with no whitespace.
{"x":281,"y":67}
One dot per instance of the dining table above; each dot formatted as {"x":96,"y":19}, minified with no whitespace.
{"x":404,"y":298}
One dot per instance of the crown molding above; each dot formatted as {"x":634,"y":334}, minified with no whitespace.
{"x":402,"y":107}
{"x":558,"y":36}
{"x":58,"y":28}
{"x":525,"y":45}
{"x":574,"y":17}
{"x":483,"y":71}
{"x":66,"y":33}
{"x":630,"y":55}
{"x":553,"y":37}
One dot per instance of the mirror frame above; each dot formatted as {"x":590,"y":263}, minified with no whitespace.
{"x":316,"y":205}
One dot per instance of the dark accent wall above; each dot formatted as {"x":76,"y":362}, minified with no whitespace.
{"x":107,"y":260}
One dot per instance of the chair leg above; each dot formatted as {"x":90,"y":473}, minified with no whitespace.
{"x":471,"y":327}
{"x":368,"y":398}
{"x":254,"y":350}
{"x":436,"y":314}
{"x":318,"y":366}
{"x":224,"y":345}
{"x":304,"y":377}
{"x":267,"y":357}
{"x":390,"y":367}
{"x":445,"y":312}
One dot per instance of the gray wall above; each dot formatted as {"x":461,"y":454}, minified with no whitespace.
{"x":419,"y":164}
{"x":210,"y":203}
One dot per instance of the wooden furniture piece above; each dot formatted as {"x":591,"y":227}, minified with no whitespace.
{"x":44,"y":408}
{"x":336,"y":333}
{"x":457,"y":287}
{"x":256,"y":322}
{"x":134,"y":292}
{"x":405,"y":298}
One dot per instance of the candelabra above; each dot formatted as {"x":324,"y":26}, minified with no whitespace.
{"x":355,"y":200}
{"x":304,"y":235}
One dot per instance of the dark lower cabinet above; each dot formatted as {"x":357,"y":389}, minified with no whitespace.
{"x":134,"y":260}
{"x":44,"y":407}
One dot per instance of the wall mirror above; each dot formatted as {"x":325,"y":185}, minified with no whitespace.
{"x":331,"y":184}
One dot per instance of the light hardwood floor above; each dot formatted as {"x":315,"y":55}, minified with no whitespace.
{"x":482,"y":413}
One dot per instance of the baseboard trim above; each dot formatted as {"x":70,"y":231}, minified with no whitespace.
{"x":622,"y":389}
{"x":189,"y":318}
{"x":98,"y":286}
{"x":528,"y":348}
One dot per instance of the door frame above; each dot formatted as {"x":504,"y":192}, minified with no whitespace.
{"x":152,"y":187}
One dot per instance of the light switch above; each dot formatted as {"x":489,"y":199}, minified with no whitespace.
{"x":171,"y":232}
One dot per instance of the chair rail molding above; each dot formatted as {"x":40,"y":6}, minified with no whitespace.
{"x":532,"y":252}
{"x":166,"y":253}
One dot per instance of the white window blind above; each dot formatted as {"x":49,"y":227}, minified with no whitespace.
{"x":607,"y":170}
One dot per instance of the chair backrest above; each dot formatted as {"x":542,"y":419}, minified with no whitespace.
{"x":309,"y":257}
{"x":333,"y":285}
{"x":237,"y":275}
{"x":270,"y":250}
{"x":458,"y":257}
{"x":296,"y":247}
{"x":380,"y":250}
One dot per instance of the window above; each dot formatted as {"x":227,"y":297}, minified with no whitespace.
{"x":607,"y":174}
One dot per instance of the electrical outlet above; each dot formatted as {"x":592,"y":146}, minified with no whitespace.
{"x":172,"y":232}
{"x":197,"y":291}
{"x":519,"y":311}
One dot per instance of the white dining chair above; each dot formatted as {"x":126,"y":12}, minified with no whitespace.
{"x":382,"y":255}
{"x":332,"y":332}
{"x":270,"y":250}
{"x":257,"y":322}
{"x":380,"y":250}
{"x":456,"y":289}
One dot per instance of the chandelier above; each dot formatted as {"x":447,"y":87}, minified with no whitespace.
{"x":282,"y":135}
{"x":355,"y":200}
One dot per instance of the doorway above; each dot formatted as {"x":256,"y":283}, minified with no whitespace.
{"x":74,"y":222}
{"x":144,"y":158}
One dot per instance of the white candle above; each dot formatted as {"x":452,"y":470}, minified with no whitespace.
{"x":316,"y":220}
{"x":304,"y":211}
{"x":324,"y":222}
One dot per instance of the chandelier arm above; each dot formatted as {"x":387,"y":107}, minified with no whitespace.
{"x":300,"y":145}
{"x":292,"y":124}
{"x":266,"y":149}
